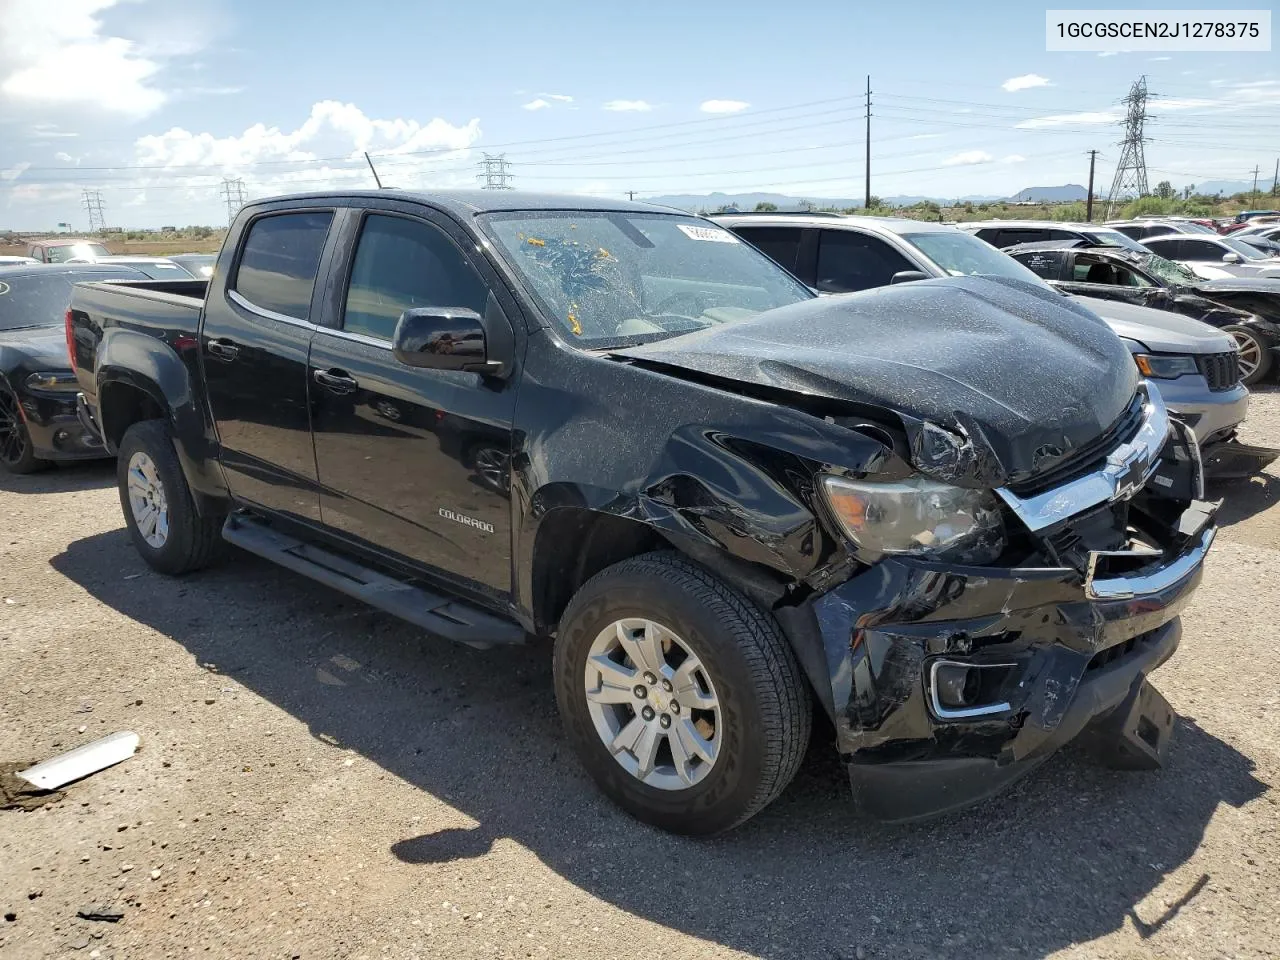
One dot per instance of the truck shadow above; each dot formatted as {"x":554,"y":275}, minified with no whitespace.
{"x":62,"y":478}
{"x":1066,"y":857}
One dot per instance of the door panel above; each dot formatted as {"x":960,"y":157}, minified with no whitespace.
{"x":413,"y":462}
{"x":254,"y":346}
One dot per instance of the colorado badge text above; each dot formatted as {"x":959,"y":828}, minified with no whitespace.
{"x":1107,"y":31}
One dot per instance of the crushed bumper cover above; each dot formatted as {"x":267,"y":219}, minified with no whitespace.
{"x":1069,"y":657}
{"x":1226,"y":458}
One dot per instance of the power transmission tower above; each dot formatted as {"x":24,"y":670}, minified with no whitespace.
{"x":233,"y":195}
{"x":92,"y":202}
{"x":1131,"y":172}
{"x":866,"y":200}
{"x":1088,"y":204}
{"x":494,"y":175}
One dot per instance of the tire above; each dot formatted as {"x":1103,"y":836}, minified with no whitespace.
{"x":1255,"y":354}
{"x":17,"y":455}
{"x":189,"y":541}
{"x":762,"y":722}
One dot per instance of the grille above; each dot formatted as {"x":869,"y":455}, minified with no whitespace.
{"x":1088,"y":457}
{"x":1119,"y":651}
{"x":1221,"y":370}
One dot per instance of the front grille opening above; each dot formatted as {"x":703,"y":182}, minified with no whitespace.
{"x":1220,"y":370}
{"x":1119,"y":651}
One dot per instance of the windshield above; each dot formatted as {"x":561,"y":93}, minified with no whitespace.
{"x":40,"y":301}
{"x":963,"y":255}
{"x":1114,"y":238}
{"x":75,"y":251}
{"x":1190,"y":227}
{"x":612,"y":278}
{"x":198,"y":264}
{"x":1168,"y":271}
{"x":1242,"y":248}
{"x":160,"y":271}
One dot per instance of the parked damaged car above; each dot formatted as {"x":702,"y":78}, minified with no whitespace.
{"x":1248,"y":308}
{"x":950,"y":513}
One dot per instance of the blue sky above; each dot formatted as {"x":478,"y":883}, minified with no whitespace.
{"x":153,"y":103}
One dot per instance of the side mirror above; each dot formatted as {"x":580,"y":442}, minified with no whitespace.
{"x":444,"y":338}
{"x":1232,"y":258}
{"x":908,"y":276}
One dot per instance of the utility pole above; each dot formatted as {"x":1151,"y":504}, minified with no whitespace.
{"x":1275,"y":180}
{"x":631,"y":194}
{"x":1254,"y":194}
{"x":91,"y":200}
{"x":1131,"y":171}
{"x":494,"y":173}
{"x":1088,"y":204}
{"x":866,"y":201}
{"x":233,"y":195}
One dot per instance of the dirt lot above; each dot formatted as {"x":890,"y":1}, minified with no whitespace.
{"x":318,"y":780}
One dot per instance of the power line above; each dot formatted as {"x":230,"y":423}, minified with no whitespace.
{"x":1131,"y":171}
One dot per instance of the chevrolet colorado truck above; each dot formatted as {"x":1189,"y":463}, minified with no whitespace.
{"x":947,"y":518}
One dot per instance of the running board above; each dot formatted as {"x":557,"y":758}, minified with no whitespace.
{"x":438,"y":614}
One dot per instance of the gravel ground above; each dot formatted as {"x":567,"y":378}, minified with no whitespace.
{"x":320,"y":780}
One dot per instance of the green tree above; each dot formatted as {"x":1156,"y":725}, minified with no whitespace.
{"x":1165,"y":191}
{"x":764,"y":206}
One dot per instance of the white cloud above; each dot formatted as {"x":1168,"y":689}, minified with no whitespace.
{"x":967,"y":158}
{"x":14,"y":172}
{"x":57,"y":54}
{"x":723,"y":106}
{"x":64,"y":157}
{"x":1110,"y":53}
{"x":625,"y":106}
{"x":538,"y":104}
{"x":1065,"y":119}
{"x":926,"y":136}
{"x":562,"y":97}
{"x":1158,"y":59}
{"x":1013,"y":158}
{"x":1027,"y":81}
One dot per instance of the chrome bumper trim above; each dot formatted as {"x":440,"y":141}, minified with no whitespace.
{"x":1146,"y":581}
{"x":1126,"y":471}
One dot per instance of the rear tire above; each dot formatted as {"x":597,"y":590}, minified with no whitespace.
{"x":742,"y":689}
{"x":1254,"y":353}
{"x":158,"y":507}
{"x":16,"y":452}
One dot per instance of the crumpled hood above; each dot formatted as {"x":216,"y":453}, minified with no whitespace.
{"x":1160,"y":331}
{"x":1017,"y":373}
{"x":45,"y":347}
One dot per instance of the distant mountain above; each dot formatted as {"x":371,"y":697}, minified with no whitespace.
{"x":1066,"y":193}
{"x":747,"y":201}
{"x":1211,"y":188}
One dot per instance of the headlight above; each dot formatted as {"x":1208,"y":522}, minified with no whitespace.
{"x":1167,"y":367}
{"x":916,"y":516}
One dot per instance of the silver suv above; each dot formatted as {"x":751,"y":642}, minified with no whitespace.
{"x":1193,"y":364}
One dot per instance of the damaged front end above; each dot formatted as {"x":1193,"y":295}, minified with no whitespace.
{"x":950,"y":676}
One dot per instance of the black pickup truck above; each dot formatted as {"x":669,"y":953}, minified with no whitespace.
{"x":945,"y":517}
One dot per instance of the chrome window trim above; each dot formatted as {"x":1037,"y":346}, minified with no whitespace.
{"x":239,"y":300}
{"x":356,"y":337}
{"x":1127,"y":469}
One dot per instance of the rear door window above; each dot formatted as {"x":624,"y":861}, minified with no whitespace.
{"x":780,"y":244}
{"x":1045,"y":264}
{"x":1192,"y":249}
{"x":280,"y":259}
{"x":849,"y":261}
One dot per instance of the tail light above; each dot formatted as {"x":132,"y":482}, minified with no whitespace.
{"x":71,"y":343}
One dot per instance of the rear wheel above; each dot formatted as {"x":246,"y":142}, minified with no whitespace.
{"x":1254,"y":354}
{"x":680,"y":696}
{"x":16,"y":452}
{"x":158,"y":507}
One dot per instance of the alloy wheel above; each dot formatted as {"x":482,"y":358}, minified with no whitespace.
{"x":147,"y":500}
{"x":13,"y":430}
{"x":1249,"y":353}
{"x":653,"y":704}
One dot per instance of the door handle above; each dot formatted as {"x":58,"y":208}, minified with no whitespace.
{"x":223,"y":349}
{"x":336,"y":381}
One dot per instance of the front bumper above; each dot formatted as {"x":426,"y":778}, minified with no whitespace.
{"x":55,"y":427}
{"x":1065,"y":648}
{"x":1206,"y":412}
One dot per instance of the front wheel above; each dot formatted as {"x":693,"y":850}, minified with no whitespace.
{"x":1253,"y":354}
{"x":16,"y":452}
{"x":159,"y":510}
{"x":681,"y":697}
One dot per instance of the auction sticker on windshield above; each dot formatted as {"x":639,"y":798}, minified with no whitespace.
{"x":713,"y":234}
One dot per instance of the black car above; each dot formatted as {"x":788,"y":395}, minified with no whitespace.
{"x":1246,"y":308}
{"x":38,"y":422}
{"x":948,"y":514}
